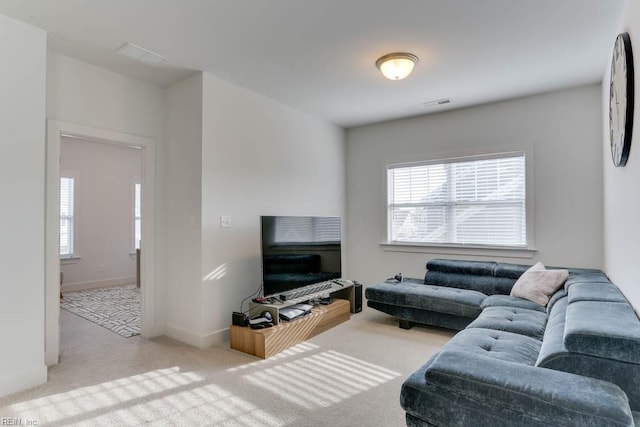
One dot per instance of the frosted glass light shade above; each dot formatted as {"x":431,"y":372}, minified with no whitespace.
{"x":397,"y":66}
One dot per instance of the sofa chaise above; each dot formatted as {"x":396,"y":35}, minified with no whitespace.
{"x":574,"y":361}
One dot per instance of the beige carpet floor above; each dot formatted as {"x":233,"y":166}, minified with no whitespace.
{"x":348,"y":376}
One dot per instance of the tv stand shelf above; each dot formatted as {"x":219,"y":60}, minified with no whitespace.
{"x":267,"y":342}
{"x":345,"y":290}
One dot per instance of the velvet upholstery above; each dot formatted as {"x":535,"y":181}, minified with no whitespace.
{"x":481,"y":268}
{"x":459,"y":388}
{"x":575,"y":362}
{"x":531,"y":323}
{"x":509,"y":301}
{"x":501,"y":345}
{"x":440,"y":299}
{"x":608,"y":330}
{"x":486,"y":284}
{"x":422,"y":316}
{"x":585,"y":277}
{"x":555,"y":298}
{"x":554,"y":355}
{"x":595,"y":292}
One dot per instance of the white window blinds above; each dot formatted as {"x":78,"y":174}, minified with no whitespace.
{"x":469,"y":201}
{"x":137,"y":215}
{"x":66,"y":216}
{"x":292,"y":229}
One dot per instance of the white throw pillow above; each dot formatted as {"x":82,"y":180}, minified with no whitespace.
{"x":537,"y":284}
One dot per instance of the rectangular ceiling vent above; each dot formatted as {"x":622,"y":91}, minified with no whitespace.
{"x":436,"y":103}
{"x":140,"y":54}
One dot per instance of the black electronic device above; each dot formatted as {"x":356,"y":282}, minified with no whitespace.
{"x":297,"y":251}
{"x":395,"y":279}
{"x":325,"y":300}
{"x":357,"y":297}
{"x":295,"y":311}
{"x":239,"y":319}
{"x":264,"y":320}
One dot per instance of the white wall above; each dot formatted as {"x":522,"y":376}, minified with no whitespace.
{"x":621,"y":185}
{"x":105,"y":175}
{"x":183,"y":209}
{"x":259,"y":157}
{"x":84,"y":94}
{"x":232,"y":152}
{"x":22,"y":157}
{"x":561,"y":130}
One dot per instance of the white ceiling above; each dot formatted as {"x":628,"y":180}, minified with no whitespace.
{"x":318,"y":55}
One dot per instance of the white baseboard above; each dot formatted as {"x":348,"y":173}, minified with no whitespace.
{"x":199,"y":341}
{"x":23,"y":380}
{"x":218,"y":337}
{"x":96,"y":284}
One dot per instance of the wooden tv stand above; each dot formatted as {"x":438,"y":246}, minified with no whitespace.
{"x":267,"y":342}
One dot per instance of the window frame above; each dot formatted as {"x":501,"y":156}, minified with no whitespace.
{"x":75,"y":250}
{"x":135,"y":242}
{"x":526,"y":251}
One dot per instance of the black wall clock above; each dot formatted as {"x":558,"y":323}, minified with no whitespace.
{"x":621,"y":100}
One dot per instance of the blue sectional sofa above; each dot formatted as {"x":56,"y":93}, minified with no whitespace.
{"x":575,"y":361}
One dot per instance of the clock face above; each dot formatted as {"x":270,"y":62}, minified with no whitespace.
{"x":621,"y":100}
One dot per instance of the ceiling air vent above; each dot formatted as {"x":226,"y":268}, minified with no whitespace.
{"x":140,"y":54}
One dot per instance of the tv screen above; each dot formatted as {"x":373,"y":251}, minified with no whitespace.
{"x":299,"y":251}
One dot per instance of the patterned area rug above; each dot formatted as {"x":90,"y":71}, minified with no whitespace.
{"x":117,"y":308}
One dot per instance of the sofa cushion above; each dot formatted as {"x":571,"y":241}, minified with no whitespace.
{"x":460,"y":302}
{"x":511,"y":271}
{"x":537,"y":284}
{"x":496,"y":344}
{"x":512,"y":319}
{"x":561,"y":293}
{"x":509,"y":301}
{"x":604,"y":329}
{"x":553,"y":340}
{"x":595,"y":292}
{"x":585,"y":277}
{"x":554,"y":355}
{"x":458,"y":388}
{"x":422,"y":316}
{"x":481,"y":268}
{"x":486,"y":284}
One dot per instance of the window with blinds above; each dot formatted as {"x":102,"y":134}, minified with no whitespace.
{"x":469,"y":201}
{"x":293,"y":229}
{"x":66,"y":216}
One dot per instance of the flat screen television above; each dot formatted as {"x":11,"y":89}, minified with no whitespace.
{"x":299,"y":251}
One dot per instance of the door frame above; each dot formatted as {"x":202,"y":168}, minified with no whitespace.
{"x":55,"y":131}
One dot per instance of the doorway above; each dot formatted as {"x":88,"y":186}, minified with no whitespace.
{"x":100,"y":218}
{"x":56,"y":131}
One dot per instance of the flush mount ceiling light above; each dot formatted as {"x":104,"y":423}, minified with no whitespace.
{"x":396,"y":66}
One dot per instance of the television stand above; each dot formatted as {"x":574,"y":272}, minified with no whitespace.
{"x":267,"y":342}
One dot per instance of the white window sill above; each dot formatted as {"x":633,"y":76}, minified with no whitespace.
{"x":74,"y":259}
{"x":495,"y":251}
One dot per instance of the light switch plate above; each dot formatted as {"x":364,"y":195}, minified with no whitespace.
{"x":225,"y":221}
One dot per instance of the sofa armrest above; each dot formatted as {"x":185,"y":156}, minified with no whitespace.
{"x":460,"y":388}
